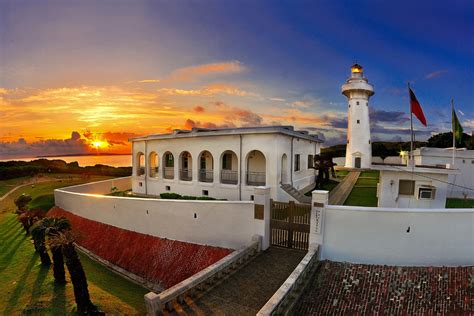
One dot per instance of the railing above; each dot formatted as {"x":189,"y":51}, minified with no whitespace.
{"x":185,"y":174}
{"x":154,"y":172}
{"x":206,"y":175}
{"x":229,"y":177}
{"x":141,"y":171}
{"x":168,"y":172}
{"x":256,"y":178}
{"x":155,"y":303}
{"x":287,"y":295}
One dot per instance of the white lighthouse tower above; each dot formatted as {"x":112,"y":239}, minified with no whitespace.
{"x":358,"y":90}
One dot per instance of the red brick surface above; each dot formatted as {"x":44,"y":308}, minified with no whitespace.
{"x":159,"y":260}
{"x":357,"y":289}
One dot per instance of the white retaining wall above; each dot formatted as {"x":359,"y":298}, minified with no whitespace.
{"x":411,"y":237}
{"x":228,"y":224}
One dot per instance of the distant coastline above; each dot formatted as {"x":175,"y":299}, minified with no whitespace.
{"x":76,"y":155}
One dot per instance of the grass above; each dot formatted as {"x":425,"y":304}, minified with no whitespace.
{"x":364,"y":192}
{"x":341,"y":173}
{"x":7,"y":185}
{"x":459,"y":203}
{"x":28,"y":288}
{"x":362,"y":197}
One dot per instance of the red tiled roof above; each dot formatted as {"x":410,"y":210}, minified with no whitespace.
{"x":358,"y":289}
{"x":163,"y":261}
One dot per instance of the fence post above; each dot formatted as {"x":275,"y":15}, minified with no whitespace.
{"x":319,"y":200}
{"x":262,"y":213}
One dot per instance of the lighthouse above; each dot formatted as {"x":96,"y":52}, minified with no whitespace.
{"x":358,"y":91}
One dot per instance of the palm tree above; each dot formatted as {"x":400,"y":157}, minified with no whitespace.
{"x":65,"y":240}
{"x":50,"y":227}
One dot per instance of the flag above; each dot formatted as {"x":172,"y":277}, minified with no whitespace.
{"x":416,"y":108}
{"x":457,"y":128}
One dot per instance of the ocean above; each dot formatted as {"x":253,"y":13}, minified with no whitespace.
{"x":83,"y":161}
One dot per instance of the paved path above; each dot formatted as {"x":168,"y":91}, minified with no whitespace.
{"x":20,"y":186}
{"x":247,"y":290}
{"x":339,"y":194}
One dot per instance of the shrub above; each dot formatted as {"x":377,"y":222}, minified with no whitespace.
{"x":188,"y":197}
{"x":22,"y":202}
{"x":207,"y":198}
{"x":170,"y":196}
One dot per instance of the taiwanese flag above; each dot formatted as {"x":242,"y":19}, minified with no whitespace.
{"x":416,"y":108}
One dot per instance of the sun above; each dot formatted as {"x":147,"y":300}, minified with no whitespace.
{"x":98,"y":144}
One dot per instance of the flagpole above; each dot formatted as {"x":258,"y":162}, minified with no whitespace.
{"x":411,"y":128}
{"x":453,"y":127}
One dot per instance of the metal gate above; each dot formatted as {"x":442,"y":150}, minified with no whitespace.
{"x":289,"y":225}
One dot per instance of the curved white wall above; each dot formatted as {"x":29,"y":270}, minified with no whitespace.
{"x":228,"y":224}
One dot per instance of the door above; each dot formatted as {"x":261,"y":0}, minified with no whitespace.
{"x":357,"y":162}
{"x":289,"y":225}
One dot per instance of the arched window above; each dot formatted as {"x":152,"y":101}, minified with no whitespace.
{"x":229,"y":167}
{"x":256,"y":168}
{"x":168,"y":165}
{"x":206,"y":167}
{"x":153,"y":164}
{"x":140,"y":164}
{"x":185,"y":166}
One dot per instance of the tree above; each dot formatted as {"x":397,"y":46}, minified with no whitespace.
{"x":445,"y":140}
{"x":22,"y":202}
{"x":49,"y":227}
{"x":380,"y":150}
{"x":29,"y":217}
{"x":65,"y":240}
{"x":39,"y":242}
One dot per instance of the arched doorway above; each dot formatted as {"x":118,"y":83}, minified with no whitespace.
{"x":206,"y":167}
{"x":256,"y":168}
{"x":229,"y":167}
{"x":284,"y":169}
{"x":185,"y":166}
{"x":168,"y":165}
{"x":153,"y":165}
{"x":140,"y":162}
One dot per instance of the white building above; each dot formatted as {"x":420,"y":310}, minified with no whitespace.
{"x":463,"y":161}
{"x":358,"y":90}
{"x":225,"y":163}
{"x":418,"y":186}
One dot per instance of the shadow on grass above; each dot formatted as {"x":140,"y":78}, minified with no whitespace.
{"x":101,"y":277}
{"x":20,"y":285}
{"x":9,"y":253}
{"x":59,"y":299}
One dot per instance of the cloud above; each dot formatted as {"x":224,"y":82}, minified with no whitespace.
{"x":190,"y":124}
{"x":192,"y":72}
{"x":198,"y":109}
{"x":387,"y":116}
{"x":435,"y":74}
{"x":149,"y":81}
{"x":50,"y":147}
{"x":302,"y":103}
{"x":208,"y":90}
{"x":277,"y":99}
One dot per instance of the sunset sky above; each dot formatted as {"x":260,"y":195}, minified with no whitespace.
{"x":84,"y":76}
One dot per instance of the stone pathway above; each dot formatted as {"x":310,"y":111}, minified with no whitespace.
{"x":339,"y":194}
{"x":247,"y":290}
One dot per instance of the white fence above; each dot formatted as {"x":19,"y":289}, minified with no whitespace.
{"x":392,"y":236}
{"x":229,"y":224}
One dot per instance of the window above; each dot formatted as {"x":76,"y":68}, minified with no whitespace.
{"x":205,"y":192}
{"x":297,"y":162}
{"x":185,"y":161}
{"x":463,"y":161}
{"x":406,"y":187}
{"x":310,"y":161}
{"x":369,"y":141}
{"x":426,"y":193}
{"x":367,"y":103}
{"x":357,"y":102}
{"x":203,"y":162}
{"x":358,"y":121}
{"x":168,"y":188}
{"x":227,"y":161}
{"x":252,"y":198}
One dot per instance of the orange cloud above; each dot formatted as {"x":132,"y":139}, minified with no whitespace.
{"x":190,"y":73}
{"x":209,"y":90}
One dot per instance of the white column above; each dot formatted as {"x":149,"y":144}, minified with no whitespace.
{"x":262,"y":199}
{"x":319,"y":199}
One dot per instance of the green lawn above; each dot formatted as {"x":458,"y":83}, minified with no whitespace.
{"x":28,"y":288}
{"x":362,"y":197}
{"x":364,"y":192}
{"x":7,"y":185}
{"x":459,"y":203}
